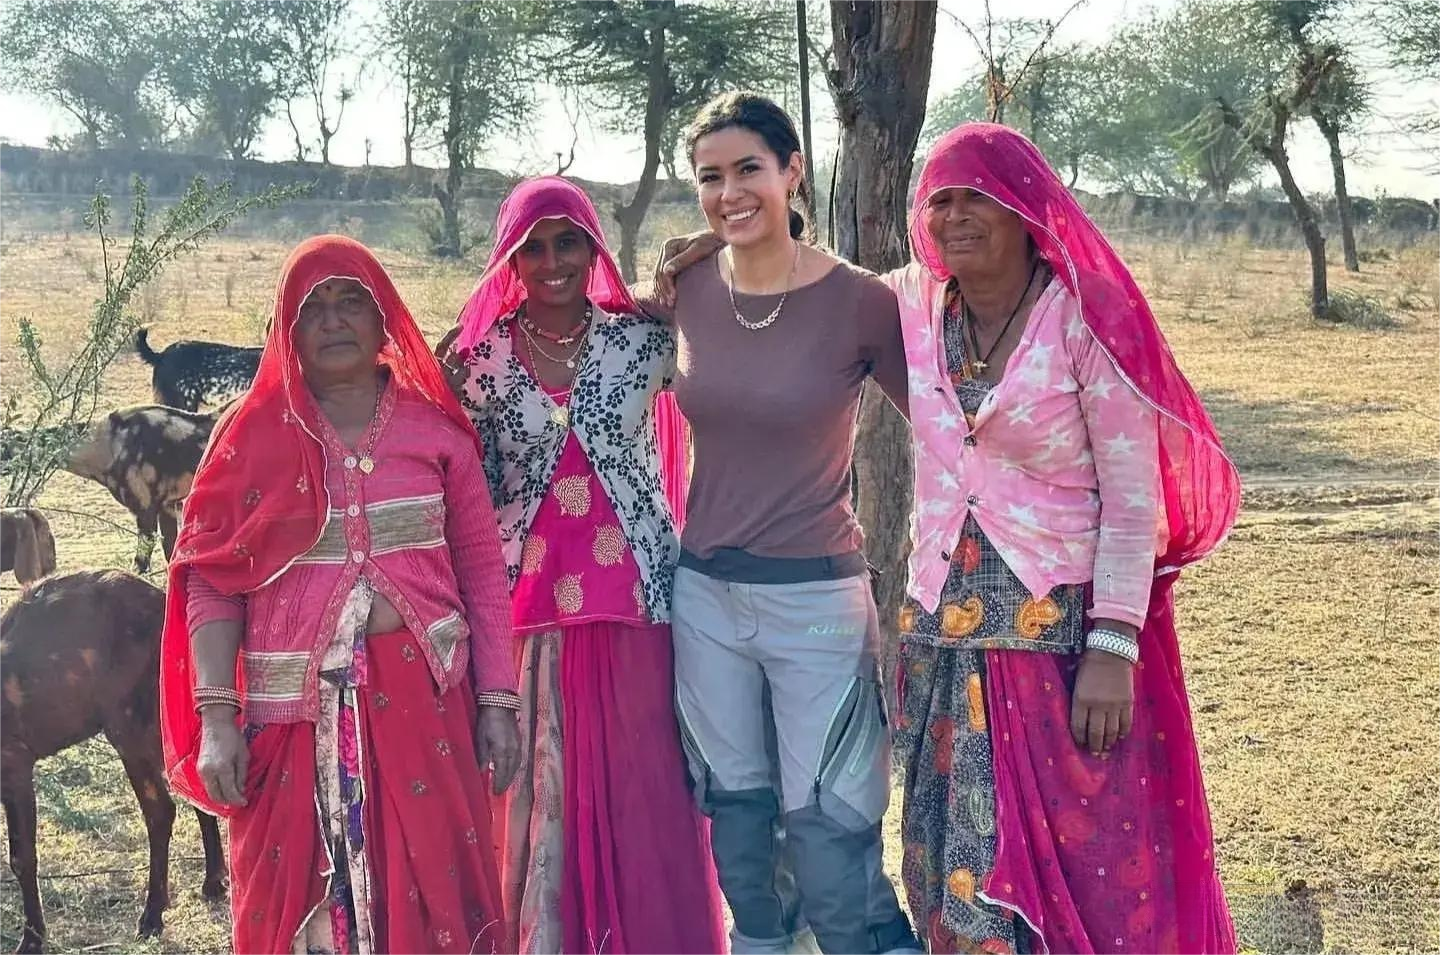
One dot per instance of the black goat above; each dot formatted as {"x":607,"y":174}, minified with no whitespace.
{"x":191,"y":373}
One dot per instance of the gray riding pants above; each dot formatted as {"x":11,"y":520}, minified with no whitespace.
{"x":786,"y":738}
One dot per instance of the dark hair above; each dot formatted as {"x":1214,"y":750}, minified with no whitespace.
{"x":765,"y":119}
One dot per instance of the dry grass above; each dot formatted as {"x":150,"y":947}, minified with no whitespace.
{"x":1310,"y":639}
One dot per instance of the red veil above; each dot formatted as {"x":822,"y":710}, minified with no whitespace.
{"x":1149,"y":879}
{"x":500,"y":291}
{"x":259,"y":498}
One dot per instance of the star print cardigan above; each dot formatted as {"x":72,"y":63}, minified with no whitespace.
{"x":627,"y":364}
{"x":1060,"y":466}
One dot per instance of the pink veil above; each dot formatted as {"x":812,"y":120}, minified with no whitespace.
{"x":1201,"y":484}
{"x":499,"y":292}
{"x":1113,"y":853}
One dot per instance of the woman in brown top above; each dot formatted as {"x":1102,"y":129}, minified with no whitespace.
{"x":775,"y":628}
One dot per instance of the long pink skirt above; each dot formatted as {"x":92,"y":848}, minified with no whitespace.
{"x":603,"y":848}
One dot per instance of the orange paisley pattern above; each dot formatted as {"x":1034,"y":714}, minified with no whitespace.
{"x":975,"y":695}
{"x":1035,"y":615}
{"x":961,"y":620}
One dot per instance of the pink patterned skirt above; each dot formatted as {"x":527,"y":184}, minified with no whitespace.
{"x":604,"y":850}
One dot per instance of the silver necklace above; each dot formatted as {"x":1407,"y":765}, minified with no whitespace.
{"x":535,"y":348}
{"x":768,"y":320}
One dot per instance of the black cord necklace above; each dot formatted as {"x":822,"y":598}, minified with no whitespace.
{"x":982,"y":362}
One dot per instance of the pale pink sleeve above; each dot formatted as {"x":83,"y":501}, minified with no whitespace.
{"x":1124,"y":438}
{"x":204,"y":604}
{"x":474,"y":539}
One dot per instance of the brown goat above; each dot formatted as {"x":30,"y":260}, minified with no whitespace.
{"x":81,"y":655}
{"x":146,"y":458}
{"x":26,"y":544}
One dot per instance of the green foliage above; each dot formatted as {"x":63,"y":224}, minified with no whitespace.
{"x":472,"y":80}
{"x":1353,"y":307}
{"x":468,"y":77}
{"x":1190,"y":60}
{"x":228,"y":71}
{"x":63,"y":398}
{"x":101,"y":62}
{"x":1138,"y":112}
{"x":1055,"y":103}
{"x":649,"y":65}
{"x":604,"y":50}
{"x":1412,"y":33}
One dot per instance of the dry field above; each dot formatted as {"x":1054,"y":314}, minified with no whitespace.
{"x":1310,"y":639}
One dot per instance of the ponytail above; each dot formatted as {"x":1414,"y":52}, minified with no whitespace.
{"x":800,"y":225}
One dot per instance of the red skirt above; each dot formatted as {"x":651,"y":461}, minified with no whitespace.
{"x":426,"y":814}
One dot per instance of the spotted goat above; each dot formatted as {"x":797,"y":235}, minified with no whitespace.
{"x":188,"y":374}
{"x":146,"y":458}
{"x":81,"y":654}
{"x":27,"y":546}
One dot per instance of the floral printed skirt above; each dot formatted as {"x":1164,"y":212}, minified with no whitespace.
{"x":943,"y":736}
{"x":401,"y":857}
{"x":948,"y":821}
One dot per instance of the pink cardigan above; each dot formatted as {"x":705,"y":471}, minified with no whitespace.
{"x":421,"y":529}
{"x":1060,"y":468}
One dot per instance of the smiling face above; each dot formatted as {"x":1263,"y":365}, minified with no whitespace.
{"x":339,"y":331}
{"x":554,"y":263}
{"x":975,"y":234}
{"x":744,"y":189}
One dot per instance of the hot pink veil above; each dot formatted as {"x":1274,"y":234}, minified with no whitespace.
{"x":1116,"y":853}
{"x":500,"y":291}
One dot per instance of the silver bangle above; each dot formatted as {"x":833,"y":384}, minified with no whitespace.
{"x":1113,"y":641}
{"x":501,"y":698}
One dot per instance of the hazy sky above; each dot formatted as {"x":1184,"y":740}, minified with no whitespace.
{"x":1383,"y":158}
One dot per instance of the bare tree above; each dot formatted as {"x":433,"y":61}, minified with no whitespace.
{"x":1009,"y":49}
{"x":879,"y":84}
{"x":1340,"y":101}
{"x":1265,"y":132}
{"x":399,"y":42}
{"x":316,"y":35}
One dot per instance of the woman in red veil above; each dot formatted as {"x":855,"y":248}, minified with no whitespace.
{"x":336,"y":676}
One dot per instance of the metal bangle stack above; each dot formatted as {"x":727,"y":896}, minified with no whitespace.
{"x":501,"y":698}
{"x":218,"y":696}
{"x":1113,"y":641}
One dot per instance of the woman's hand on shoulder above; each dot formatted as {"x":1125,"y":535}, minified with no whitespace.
{"x":678,"y":254}
{"x":455,"y":370}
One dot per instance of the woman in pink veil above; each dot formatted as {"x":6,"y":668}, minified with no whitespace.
{"x":1065,"y":471}
{"x":602,"y":847}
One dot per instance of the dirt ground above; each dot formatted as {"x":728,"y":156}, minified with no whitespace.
{"x":1310,"y":638}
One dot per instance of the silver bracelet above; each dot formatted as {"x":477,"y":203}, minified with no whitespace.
{"x":1113,"y":641}
{"x":501,"y":698}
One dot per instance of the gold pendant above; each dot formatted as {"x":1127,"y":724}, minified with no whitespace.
{"x":561,"y":416}
{"x":367,"y":464}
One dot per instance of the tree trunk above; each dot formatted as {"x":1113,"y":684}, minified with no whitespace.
{"x":295,"y":131}
{"x":882,"y":74}
{"x":452,"y":245}
{"x":410,"y":124}
{"x":1273,"y":149}
{"x":658,"y":95}
{"x":1309,"y":228}
{"x":1346,"y":211}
